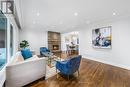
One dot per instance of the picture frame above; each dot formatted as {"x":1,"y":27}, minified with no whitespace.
{"x":102,"y":37}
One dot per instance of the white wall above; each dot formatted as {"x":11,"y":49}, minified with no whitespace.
{"x":36,"y":37}
{"x":119,"y":54}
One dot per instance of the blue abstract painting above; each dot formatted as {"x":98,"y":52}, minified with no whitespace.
{"x":102,"y":37}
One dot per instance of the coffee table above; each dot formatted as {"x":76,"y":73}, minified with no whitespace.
{"x":51,"y":61}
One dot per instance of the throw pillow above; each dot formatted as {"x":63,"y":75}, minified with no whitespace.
{"x":26,"y":53}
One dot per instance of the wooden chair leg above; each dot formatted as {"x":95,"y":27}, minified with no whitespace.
{"x":78,"y":73}
{"x":56,"y":74}
{"x":68,"y":77}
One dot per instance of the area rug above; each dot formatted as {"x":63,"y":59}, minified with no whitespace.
{"x":50,"y":71}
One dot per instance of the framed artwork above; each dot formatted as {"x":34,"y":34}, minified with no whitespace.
{"x":102,"y":37}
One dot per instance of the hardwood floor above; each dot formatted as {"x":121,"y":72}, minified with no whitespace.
{"x":92,"y":74}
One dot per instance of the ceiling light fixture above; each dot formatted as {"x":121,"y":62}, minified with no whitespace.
{"x":76,"y":14}
{"x":38,"y":14}
{"x":114,"y":13}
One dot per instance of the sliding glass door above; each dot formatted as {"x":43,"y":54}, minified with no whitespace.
{"x":3,"y":40}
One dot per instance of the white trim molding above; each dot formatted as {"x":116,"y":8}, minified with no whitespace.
{"x":107,"y":62}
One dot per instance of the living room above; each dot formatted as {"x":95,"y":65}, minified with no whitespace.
{"x":65,"y":43}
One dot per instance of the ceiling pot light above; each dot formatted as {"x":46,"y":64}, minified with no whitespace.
{"x":114,"y":13}
{"x":76,"y":14}
{"x":38,"y":14}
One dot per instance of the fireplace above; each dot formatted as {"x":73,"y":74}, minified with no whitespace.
{"x":54,"y":43}
{"x":55,"y":47}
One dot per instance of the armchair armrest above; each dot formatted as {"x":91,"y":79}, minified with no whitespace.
{"x":62,"y":66}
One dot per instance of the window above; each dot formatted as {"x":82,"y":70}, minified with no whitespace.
{"x":3,"y":39}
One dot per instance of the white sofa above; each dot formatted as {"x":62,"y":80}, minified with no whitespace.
{"x":22,"y":72}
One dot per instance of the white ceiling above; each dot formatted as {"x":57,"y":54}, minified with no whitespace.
{"x":65,"y":15}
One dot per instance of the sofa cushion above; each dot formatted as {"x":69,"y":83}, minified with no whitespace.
{"x":17,"y":58}
{"x":26,"y":53}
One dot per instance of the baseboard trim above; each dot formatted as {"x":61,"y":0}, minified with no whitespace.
{"x":106,"y":62}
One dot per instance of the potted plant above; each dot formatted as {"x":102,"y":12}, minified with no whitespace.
{"x":24,"y":44}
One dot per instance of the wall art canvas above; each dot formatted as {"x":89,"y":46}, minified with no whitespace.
{"x":102,"y":37}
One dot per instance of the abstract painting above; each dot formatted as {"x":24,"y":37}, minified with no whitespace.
{"x":102,"y":37}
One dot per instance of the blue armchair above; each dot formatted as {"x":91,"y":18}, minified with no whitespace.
{"x":68,"y":67}
{"x":45,"y":52}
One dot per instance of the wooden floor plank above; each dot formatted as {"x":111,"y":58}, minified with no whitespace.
{"x":92,"y":74}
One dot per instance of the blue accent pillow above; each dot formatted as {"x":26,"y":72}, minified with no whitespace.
{"x":26,"y":53}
